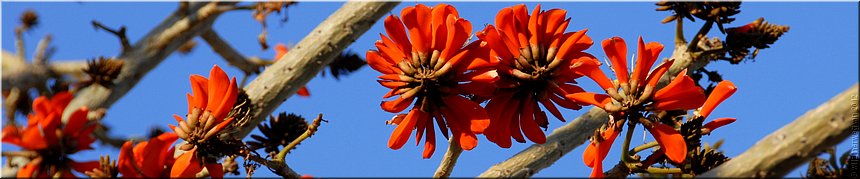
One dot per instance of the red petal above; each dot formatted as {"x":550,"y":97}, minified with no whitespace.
{"x":658,"y":72}
{"x":280,"y":51}
{"x":552,"y":109}
{"x":476,"y":116}
{"x":616,"y":50}
{"x":187,"y":165}
{"x":717,"y":123}
{"x":125,"y":164}
{"x":30,"y":170}
{"x":155,"y":153}
{"x":599,"y":100}
{"x":430,"y":142}
{"x":590,"y":67}
{"x":85,"y":166}
{"x":375,"y":61}
{"x":670,"y":141}
{"x":200,"y":88}
{"x":215,"y":170}
{"x":76,"y":121}
{"x":396,"y":105}
{"x":723,"y":91}
{"x":498,"y":131}
{"x":645,"y":60}
{"x":529,"y":126}
{"x":394,"y":28}
{"x":401,"y":133}
{"x":303,"y":92}
{"x":218,"y":84}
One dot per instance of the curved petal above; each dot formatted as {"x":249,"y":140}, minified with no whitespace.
{"x":215,"y":170}
{"x":394,"y":29}
{"x":717,"y":123}
{"x":616,"y":50}
{"x":187,"y":165}
{"x":723,"y":91}
{"x":401,"y":133}
{"x":670,"y":141}
{"x":599,"y":100}
{"x":84,"y":166}
{"x":476,"y":116}
{"x":396,"y":105}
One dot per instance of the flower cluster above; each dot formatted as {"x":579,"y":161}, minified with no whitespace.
{"x":50,"y":140}
{"x":640,"y":102}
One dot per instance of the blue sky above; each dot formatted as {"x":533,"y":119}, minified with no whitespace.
{"x":810,"y":64}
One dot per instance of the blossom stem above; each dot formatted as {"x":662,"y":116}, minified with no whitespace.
{"x":642,"y":147}
{"x":702,"y":33}
{"x":679,"y":31}
{"x":449,"y":160}
{"x":308,"y":133}
{"x":625,"y":156}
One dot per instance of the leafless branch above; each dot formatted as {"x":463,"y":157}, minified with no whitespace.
{"x":123,"y":39}
{"x":794,"y":144}
{"x":39,"y":57}
{"x":229,"y":54}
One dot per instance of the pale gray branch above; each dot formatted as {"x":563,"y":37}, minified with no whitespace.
{"x":147,"y":53}
{"x":794,"y":144}
{"x":283,"y":78}
{"x":229,"y":54}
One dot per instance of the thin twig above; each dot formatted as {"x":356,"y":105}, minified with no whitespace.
{"x":123,"y":39}
{"x":312,"y":129}
{"x":19,"y":45}
{"x":27,"y":154}
{"x":229,"y":53}
{"x":642,"y":147}
{"x":39,"y":57}
{"x":694,"y":44}
{"x":446,"y":167}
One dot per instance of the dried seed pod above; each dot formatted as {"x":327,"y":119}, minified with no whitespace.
{"x":759,"y":35}
{"x":29,"y":19}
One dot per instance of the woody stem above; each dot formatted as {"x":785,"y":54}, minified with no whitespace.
{"x":679,"y":31}
{"x":625,"y":156}
{"x":449,"y":160}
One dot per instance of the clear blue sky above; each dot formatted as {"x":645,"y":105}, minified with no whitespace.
{"x":810,"y":64}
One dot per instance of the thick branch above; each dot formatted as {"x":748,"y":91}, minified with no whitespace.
{"x":147,"y":53}
{"x":229,"y":54}
{"x":564,"y":139}
{"x":794,"y":144}
{"x":282,"y":79}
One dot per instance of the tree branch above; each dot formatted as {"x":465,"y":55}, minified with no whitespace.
{"x":229,"y":54}
{"x":566,"y":138}
{"x":123,"y":39}
{"x":283,"y":78}
{"x":147,"y":53}
{"x":449,"y":160}
{"x":794,"y":144}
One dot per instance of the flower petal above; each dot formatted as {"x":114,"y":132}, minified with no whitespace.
{"x":430,"y":141}
{"x":670,"y":141}
{"x":616,"y":50}
{"x":394,"y":28}
{"x":215,"y":170}
{"x":303,"y":92}
{"x":396,"y":105}
{"x":723,"y":91}
{"x":401,"y":133}
{"x":187,"y":165}
{"x":599,"y":100}
{"x":717,"y":123}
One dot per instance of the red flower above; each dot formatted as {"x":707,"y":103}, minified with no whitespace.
{"x":280,"y":51}
{"x":52,"y":141}
{"x":429,"y":65}
{"x":147,"y":159}
{"x":723,"y":91}
{"x":535,"y":54}
{"x":638,"y":87}
{"x":207,"y":116}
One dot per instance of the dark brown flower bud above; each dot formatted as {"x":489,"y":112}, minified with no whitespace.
{"x":102,"y":71}
{"x":29,"y":19}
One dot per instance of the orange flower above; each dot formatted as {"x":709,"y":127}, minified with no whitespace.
{"x":280,"y":51}
{"x":147,"y":159}
{"x":207,"y":116}
{"x":535,"y":54}
{"x":52,"y":141}
{"x":429,"y":65}
{"x":638,"y":87}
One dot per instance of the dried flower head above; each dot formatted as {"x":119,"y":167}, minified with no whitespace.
{"x":280,"y":131}
{"x":29,"y":19}
{"x":719,"y":12}
{"x":759,"y":35}
{"x":102,"y":71}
